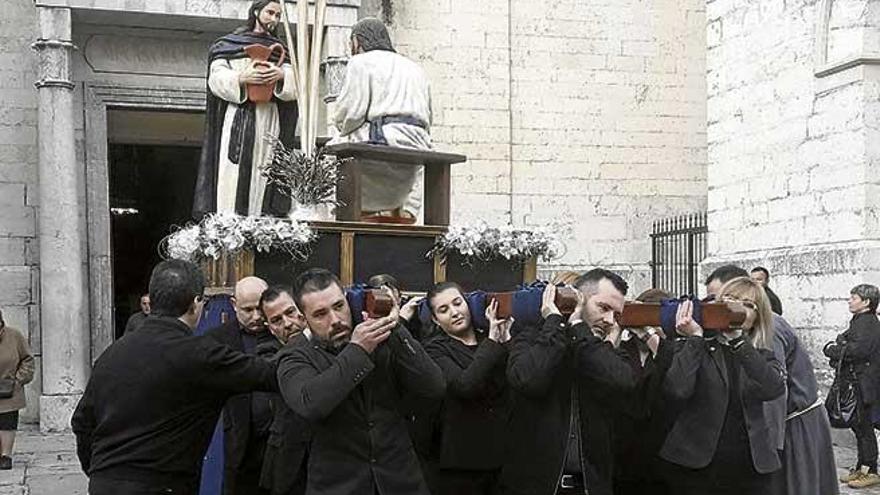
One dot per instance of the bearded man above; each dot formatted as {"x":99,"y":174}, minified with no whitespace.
{"x":236,"y":128}
{"x":348,"y":381}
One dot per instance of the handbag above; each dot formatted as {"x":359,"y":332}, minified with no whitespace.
{"x":7,"y":388}
{"x":842,"y":403}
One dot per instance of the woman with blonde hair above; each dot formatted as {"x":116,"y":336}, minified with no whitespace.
{"x":759,"y":317}
{"x":719,"y":443}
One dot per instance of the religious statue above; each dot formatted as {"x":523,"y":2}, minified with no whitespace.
{"x":386,"y":99}
{"x":251,"y":96}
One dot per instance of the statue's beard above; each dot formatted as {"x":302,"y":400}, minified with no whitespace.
{"x":267,"y":28}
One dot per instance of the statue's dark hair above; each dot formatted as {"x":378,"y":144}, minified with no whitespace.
{"x":372,"y":34}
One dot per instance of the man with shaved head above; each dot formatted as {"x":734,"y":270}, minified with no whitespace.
{"x":246,"y":417}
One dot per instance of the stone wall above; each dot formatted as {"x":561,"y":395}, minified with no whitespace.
{"x":584,"y":113}
{"x":19,"y":274}
{"x":793,"y":153}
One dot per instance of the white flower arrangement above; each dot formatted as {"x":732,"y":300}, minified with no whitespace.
{"x":485,"y":243}
{"x":226,"y":233}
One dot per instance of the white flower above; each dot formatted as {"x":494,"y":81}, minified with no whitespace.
{"x":483,"y":242}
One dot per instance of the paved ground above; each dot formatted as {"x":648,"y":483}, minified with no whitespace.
{"x":47,"y":465}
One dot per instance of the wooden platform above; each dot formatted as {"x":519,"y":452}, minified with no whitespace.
{"x":436,"y":185}
{"x":356,"y":251}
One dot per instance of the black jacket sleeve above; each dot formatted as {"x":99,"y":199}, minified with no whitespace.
{"x":535,"y":356}
{"x":83,"y":424}
{"x":314,"y":394}
{"x":418,"y":373}
{"x":600,"y":362}
{"x":861,"y":339}
{"x":764,"y":377}
{"x":470,"y":382}
{"x":235,"y":372}
{"x":650,"y":386}
{"x":681,"y":377}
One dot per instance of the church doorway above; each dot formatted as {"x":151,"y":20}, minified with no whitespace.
{"x":153,"y":160}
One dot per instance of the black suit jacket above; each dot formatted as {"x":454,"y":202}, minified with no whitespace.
{"x":859,"y":345}
{"x":475,"y":413}
{"x":237,"y":411}
{"x":151,"y":404}
{"x":697,"y":379}
{"x":551,"y":366}
{"x":360,"y":440}
{"x":775,"y":303}
{"x":644,"y":418}
{"x":284,"y":469}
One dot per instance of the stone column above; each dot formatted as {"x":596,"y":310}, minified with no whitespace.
{"x":63,"y":302}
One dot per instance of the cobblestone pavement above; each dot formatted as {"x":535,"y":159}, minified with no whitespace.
{"x":47,"y":465}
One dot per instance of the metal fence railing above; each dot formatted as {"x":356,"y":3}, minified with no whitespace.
{"x":678,"y":245}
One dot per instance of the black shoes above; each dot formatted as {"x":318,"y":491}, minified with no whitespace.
{"x":5,"y":462}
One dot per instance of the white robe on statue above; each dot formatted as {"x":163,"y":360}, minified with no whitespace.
{"x":380,"y":83}
{"x":224,"y":83}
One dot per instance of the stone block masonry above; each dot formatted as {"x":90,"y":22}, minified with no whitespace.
{"x":19,"y":298}
{"x":792,"y":153}
{"x":586,"y":114}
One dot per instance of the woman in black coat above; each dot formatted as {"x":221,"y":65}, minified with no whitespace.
{"x":858,"y":346}
{"x":720,"y":442}
{"x":473,"y":419}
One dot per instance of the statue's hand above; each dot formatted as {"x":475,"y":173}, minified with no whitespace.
{"x":252,"y":74}
{"x":272,"y":74}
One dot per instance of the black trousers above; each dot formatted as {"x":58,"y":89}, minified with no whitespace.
{"x":104,"y":486}
{"x":245,"y":479}
{"x":866,"y":442}
{"x":466,"y":482}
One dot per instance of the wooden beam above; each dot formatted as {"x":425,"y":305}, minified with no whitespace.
{"x":346,"y":258}
{"x":716,"y":315}
{"x":394,"y":154}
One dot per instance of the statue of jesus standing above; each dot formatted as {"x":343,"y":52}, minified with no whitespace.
{"x":236,"y":128}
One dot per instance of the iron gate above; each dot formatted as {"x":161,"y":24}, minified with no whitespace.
{"x":678,"y":245}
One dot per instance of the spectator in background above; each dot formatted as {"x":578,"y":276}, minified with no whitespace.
{"x":762,"y":276}
{"x":135,"y":320}
{"x":859,"y":346}
{"x":16,"y":370}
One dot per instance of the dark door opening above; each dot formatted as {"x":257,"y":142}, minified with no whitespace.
{"x":151,"y":188}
